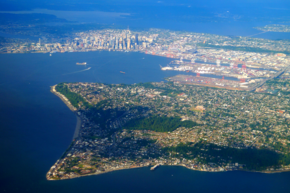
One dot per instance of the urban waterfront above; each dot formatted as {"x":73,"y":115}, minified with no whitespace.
{"x":37,"y":127}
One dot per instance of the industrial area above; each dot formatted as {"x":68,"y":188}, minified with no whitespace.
{"x":220,"y":74}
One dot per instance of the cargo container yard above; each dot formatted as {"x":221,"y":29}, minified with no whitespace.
{"x":229,"y":71}
{"x":215,"y":82}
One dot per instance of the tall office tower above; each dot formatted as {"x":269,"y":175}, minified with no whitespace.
{"x":124,"y":44}
{"x":39,"y":42}
{"x":120,"y":43}
{"x":136,"y":39}
{"x":128,"y":30}
{"x":113,"y":43}
{"x":128,"y":44}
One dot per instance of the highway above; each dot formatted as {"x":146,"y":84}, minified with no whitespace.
{"x":272,"y":77}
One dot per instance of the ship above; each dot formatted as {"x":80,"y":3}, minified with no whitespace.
{"x":166,"y":68}
{"x":83,"y":63}
{"x":122,"y":72}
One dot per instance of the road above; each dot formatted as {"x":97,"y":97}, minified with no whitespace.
{"x":272,"y":77}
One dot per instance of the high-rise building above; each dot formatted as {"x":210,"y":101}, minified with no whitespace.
{"x":124,"y":44}
{"x":116,"y":42}
{"x":128,"y":44}
{"x":136,"y":39}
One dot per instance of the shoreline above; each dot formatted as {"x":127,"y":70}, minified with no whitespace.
{"x":78,"y":127}
{"x":92,"y":174}
{"x":99,"y":173}
{"x":71,"y":107}
{"x":76,"y":134}
{"x":63,"y":98}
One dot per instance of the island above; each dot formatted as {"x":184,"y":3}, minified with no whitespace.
{"x":175,"y":123}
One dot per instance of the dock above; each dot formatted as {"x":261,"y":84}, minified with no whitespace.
{"x":154,"y":167}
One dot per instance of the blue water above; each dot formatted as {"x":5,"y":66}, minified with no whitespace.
{"x":166,"y":17}
{"x":36,"y":127}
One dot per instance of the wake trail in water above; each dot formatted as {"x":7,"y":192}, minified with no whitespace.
{"x":78,"y":71}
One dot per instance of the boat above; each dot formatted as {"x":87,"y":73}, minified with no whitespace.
{"x":50,"y":55}
{"x":122,"y":72}
{"x":83,"y":63}
{"x":167,"y":68}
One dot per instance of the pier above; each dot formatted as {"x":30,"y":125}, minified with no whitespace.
{"x":154,"y":167}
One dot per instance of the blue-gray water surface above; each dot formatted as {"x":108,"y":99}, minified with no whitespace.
{"x":36,"y":127}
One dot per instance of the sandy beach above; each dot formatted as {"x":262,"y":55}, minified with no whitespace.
{"x":71,"y":107}
{"x":78,"y":127}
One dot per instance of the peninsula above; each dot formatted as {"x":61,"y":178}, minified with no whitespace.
{"x":230,"y":112}
{"x":174,"y":123}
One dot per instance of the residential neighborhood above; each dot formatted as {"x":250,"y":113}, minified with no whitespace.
{"x":205,"y":121}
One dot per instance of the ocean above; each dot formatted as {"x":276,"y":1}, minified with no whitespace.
{"x":36,"y":127}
